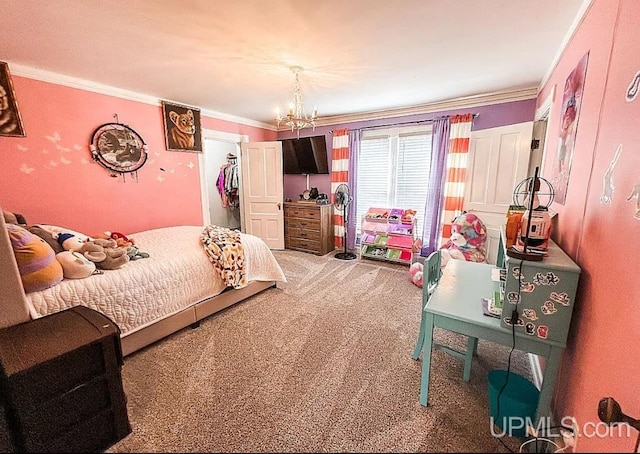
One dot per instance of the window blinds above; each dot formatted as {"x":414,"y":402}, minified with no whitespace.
{"x":393,"y":168}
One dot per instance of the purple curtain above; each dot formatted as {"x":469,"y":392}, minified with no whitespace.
{"x":354,"y":153}
{"x":435,"y":186}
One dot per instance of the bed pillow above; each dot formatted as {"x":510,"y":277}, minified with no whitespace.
{"x":14,"y":218}
{"x":48,"y":237}
{"x":55,"y":230}
{"x":37,"y":262}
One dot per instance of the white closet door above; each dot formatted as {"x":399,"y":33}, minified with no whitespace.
{"x":262,"y":192}
{"x":498,"y":161}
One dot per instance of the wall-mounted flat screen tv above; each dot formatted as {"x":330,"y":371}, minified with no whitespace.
{"x":306,"y":155}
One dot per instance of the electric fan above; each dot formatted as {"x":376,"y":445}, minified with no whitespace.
{"x":342,"y":199}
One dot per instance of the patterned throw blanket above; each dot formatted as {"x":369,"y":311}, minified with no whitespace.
{"x":225,"y":251}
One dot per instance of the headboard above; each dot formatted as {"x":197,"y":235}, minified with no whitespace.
{"x":13,"y":302}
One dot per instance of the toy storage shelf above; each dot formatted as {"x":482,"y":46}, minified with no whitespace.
{"x":388,"y":234}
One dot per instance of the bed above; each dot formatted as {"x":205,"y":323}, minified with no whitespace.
{"x":150,"y":298}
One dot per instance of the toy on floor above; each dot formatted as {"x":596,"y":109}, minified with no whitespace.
{"x":416,"y":273}
{"x":467,"y":241}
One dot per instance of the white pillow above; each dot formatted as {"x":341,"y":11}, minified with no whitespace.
{"x":55,"y":230}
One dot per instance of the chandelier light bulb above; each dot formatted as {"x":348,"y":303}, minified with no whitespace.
{"x":297,"y":118}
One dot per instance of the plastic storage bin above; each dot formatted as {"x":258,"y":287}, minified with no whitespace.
{"x":518,"y":402}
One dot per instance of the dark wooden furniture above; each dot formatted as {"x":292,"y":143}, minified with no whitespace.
{"x":308,"y":227}
{"x":61,"y":385}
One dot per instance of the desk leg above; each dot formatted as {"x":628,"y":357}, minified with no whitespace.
{"x":418,"y":348}
{"x":472,"y":348}
{"x":548,"y":383}
{"x":427,"y":346}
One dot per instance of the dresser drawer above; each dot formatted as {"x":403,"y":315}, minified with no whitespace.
{"x":302,"y":212}
{"x":295,"y":232}
{"x":303,"y":223}
{"x":302,"y":244}
{"x":308,"y":227}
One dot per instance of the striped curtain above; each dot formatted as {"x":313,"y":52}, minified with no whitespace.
{"x":339,"y":174}
{"x":460,"y":131}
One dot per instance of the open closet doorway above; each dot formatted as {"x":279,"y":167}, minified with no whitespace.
{"x":219,"y":150}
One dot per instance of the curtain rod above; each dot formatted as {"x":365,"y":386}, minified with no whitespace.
{"x":429,"y":120}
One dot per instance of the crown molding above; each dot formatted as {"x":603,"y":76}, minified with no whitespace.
{"x":95,"y":87}
{"x":451,"y":104}
{"x":584,"y":7}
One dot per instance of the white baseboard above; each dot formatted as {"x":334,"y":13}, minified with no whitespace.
{"x":536,"y":370}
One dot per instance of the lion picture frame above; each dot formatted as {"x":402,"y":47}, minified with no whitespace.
{"x":10,"y":119}
{"x":182,"y":127}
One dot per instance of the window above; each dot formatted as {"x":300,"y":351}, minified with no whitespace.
{"x":393,"y":167}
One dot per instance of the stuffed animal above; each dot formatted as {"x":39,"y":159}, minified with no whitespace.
{"x":114,"y":256}
{"x":69,"y":241}
{"x":36,"y":261}
{"x":467,"y":241}
{"x":416,"y":273}
{"x":92,"y":251}
{"x":121,"y":239}
{"x":134,"y":253}
{"x":47,"y":236}
{"x":75,"y":265}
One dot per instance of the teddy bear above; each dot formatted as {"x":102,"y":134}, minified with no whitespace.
{"x":467,"y":241}
{"x":115,"y":256}
{"x":103,"y":252}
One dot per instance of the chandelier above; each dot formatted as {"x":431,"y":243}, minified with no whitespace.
{"x":297,"y":118}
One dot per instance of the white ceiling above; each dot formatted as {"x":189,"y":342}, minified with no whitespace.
{"x":233,"y":56}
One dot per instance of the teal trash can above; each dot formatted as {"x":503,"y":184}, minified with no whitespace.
{"x":518,"y":401}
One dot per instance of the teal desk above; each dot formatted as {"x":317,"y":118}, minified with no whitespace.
{"x":455,"y":305}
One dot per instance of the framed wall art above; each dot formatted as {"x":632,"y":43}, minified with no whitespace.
{"x":182,"y":129}
{"x":10,"y":120}
{"x":571,"y":103}
{"x":119,"y":149}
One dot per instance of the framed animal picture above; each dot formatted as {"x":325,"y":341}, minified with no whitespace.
{"x":10,"y":120}
{"x":182,"y":129}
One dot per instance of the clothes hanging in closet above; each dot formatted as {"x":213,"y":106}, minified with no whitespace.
{"x":228,"y":183}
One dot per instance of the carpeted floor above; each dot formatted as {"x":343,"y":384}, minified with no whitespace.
{"x":320,"y":364}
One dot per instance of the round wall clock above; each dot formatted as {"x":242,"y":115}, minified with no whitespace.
{"x":118,"y":148}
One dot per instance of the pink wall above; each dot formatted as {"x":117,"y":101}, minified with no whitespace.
{"x":49,"y":175}
{"x":601,"y":359}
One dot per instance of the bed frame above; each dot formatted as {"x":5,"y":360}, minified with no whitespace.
{"x":14,"y":309}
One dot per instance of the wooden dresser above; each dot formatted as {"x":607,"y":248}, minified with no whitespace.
{"x":308,"y":227}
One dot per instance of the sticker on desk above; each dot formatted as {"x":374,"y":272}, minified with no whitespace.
{"x":513,"y":297}
{"x":516,"y":272}
{"x":545,"y":279}
{"x":527,"y":287}
{"x":507,"y":320}
{"x":530,"y":329}
{"x":530,"y":314}
{"x":543,"y":331}
{"x":549,"y":308}
{"x":561,"y":298}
